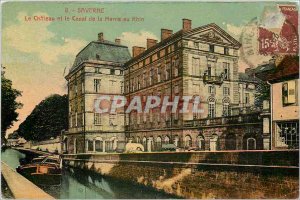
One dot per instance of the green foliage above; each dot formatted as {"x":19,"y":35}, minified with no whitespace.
{"x":262,"y":93}
{"x":47,"y":119}
{"x":13,"y":135}
{"x":9,"y":104}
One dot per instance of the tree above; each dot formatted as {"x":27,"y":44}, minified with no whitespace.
{"x":9,"y":104}
{"x":262,"y":93}
{"x":46,"y":120}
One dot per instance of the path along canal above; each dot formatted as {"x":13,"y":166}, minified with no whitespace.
{"x":78,"y":184}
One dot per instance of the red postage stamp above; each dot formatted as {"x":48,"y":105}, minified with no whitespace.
{"x":284,"y":42}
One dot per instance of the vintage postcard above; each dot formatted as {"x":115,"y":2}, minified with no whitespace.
{"x":149,"y":100}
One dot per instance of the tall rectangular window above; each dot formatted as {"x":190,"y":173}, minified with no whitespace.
{"x":97,"y":84}
{"x":247,"y":98}
{"x":90,"y":145}
{"x":226,"y":110}
{"x":211,"y":89}
{"x":211,"y":48}
{"x":144,"y":80}
{"x":158,"y":75}
{"x":289,"y":92}
{"x":226,"y":91}
{"x":71,"y":120}
{"x":208,"y":70}
{"x":226,"y":67}
{"x":151,"y":76}
{"x":226,"y":50}
{"x":99,"y":145}
{"x":211,"y":109}
{"x":97,"y":118}
{"x":195,"y":66}
{"x":76,"y":119}
{"x":167,"y":71}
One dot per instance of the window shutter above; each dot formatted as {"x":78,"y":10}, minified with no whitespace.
{"x":291,"y":92}
{"x":284,"y":93}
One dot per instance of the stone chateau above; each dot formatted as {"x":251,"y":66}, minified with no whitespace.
{"x":200,"y":61}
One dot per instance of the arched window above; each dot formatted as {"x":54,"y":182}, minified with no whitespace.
{"x":213,"y":142}
{"x":150,"y":144}
{"x":145,"y":142}
{"x":187,"y":141}
{"x":211,"y":107}
{"x":167,"y":140}
{"x":251,"y":144}
{"x":158,"y":143}
{"x":98,"y":144}
{"x":176,"y":141}
{"x":138,"y":139}
{"x":226,"y":107}
{"x":112,"y":144}
{"x":200,"y":142}
{"x":230,"y":141}
{"x":90,"y":145}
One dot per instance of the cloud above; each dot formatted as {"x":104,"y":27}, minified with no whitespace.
{"x":35,"y":58}
{"x":234,"y":30}
{"x":131,"y":39}
{"x":34,"y":37}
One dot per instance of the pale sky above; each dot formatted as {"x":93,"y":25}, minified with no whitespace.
{"x":36,"y":53}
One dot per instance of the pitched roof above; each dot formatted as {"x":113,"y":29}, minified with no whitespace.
{"x":104,"y":51}
{"x":287,"y":68}
{"x":244,"y":77}
{"x":182,"y":33}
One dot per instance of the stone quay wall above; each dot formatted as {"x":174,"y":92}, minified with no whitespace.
{"x":222,"y":174}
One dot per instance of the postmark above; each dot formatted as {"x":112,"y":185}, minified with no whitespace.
{"x":272,"y":35}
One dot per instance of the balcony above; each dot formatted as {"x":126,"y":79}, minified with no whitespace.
{"x":217,"y":80}
{"x":241,"y":119}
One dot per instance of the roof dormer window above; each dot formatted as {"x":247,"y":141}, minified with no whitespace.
{"x":97,"y":56}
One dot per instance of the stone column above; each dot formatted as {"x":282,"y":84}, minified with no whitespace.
{"x":94,"y":145}
{"x":103,"y":145}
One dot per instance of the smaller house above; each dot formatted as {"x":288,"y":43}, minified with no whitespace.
{"x":283,"y":77}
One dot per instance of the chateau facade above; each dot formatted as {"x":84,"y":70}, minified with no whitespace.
{"x":97,"y":70}
{"x":191,"y":62}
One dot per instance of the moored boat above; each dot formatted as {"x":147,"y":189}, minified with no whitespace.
{"x":43,"y":170}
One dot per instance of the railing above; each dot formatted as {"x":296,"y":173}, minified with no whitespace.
{"x":218,"y":80}
{"x":238,"y":119}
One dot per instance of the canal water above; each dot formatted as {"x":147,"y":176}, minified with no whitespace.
{"x":78,"y":184}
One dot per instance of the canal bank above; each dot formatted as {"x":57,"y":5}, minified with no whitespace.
{"x":81,"y":184}
{"x":235,"y":174}
{"x":20,"y":187}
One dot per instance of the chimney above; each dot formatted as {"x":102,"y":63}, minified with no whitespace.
{"x":137,"y":51}
{"x":151,"y":43}
{"x":165,"y":33}
{"x":117,"y":41}
{"x":186,"y":24}
{"x":100,"y":36}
